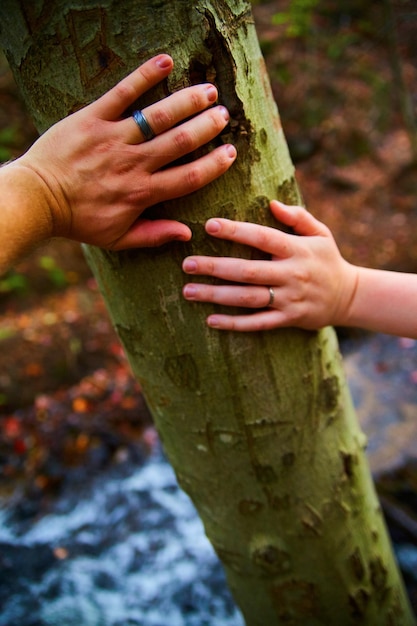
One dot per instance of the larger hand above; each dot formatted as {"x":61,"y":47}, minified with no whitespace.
{"x":97,"y":174}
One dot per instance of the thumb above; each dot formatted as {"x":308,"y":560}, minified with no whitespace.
{"x":150,"y":233}
{"x":298,"y":218}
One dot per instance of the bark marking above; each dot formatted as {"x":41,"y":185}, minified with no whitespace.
{"x":265,"y":474}
{"x":379,"y":575}
{"x":250,"y":507}
{"x":35,"y":20}
{"x":357,"y":565}
{"x":295,"y":600}
{"x":271,"y":560}
{"x":329,"y":393}
{"x":349,"y":461}
{"x":94,"y":55}
{"x":358,"y":602}
{"x":182,"y":370}
{"x":288,"y":192}
{"x":312,"y":520}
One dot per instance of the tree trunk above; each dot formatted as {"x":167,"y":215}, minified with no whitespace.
{"x":259,"y":427}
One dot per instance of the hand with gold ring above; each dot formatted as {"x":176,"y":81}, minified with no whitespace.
{"x":306,"y":283}
{"x":91,"y":175}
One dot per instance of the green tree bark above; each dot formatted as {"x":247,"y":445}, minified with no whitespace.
{"x":259,"y":427}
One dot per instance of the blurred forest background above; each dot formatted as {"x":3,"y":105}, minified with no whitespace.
{"x":344,"y":75}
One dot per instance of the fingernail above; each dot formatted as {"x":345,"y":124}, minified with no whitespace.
{"x":211,"y":93}
{"x":164,"y":62}
{"x":224,"y":112}
{"x":213,"y":321}
{"x":213,"y":226}
{"x":184,"y":236}
{"x":189,"y":291}
{"x":231,"y":151}
{"x":282,"y":205}
{"x":189,"y":265}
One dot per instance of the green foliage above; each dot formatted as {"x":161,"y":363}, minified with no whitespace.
{"x":7,"y":142}
{"x":299,"y":17}
{"x":318,"y":22}
{"x":338,"y":45}
{"x":6,"y":333}
{"x":55,"y":274}
{"x":13,"y":282}
{"x":19,"y":284}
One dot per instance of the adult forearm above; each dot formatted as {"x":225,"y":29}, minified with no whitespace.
{"x":385,"y":302}
{"x":25,"y":217}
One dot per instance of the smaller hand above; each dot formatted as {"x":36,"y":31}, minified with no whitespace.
{"x":98,"y":174}
{"x":312,"y":285}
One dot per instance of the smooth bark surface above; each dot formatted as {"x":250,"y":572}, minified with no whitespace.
{"x":259,"y":427}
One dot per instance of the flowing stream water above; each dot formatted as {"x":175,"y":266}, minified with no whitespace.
{"x":124,"y":548}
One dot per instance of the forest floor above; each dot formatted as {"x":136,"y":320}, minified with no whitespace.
{"x":66,"y":393}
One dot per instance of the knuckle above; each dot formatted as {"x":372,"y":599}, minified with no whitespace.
{"x":183,"y":141}
{"x":195,"y":178}
{"x":196,"y":99}
{"x":263,"y":239}
{"x":302,"y":276}
{"x":217,"y":119}
{"x":232,"y":227}
{"x":259,"y":324}
{"x":295,"y":297}
{"x":126,"y":164}
{"x":249,"y":274}
{"x":222,"y":161}
{"x":143,"y":196}
{"x":91,"y":127}
{"x":248,"y":300}
{"x":210,"y":268}
{"x":160,"y":119}
{"x":125,"y":91}
{"x":231,"y":324}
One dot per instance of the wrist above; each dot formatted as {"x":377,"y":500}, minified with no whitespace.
{"x":25,"y":212}
{"x":349,"y":290}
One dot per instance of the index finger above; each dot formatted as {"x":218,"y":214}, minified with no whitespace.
{"x":265,"y":238}
{"x":113,"y":103}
